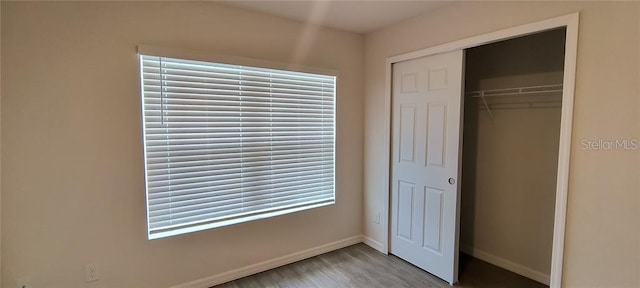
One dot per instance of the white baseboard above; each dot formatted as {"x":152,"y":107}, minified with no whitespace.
{"x":508,"y":265}
{"x":269,"y":264}
{"x":373,"y":244}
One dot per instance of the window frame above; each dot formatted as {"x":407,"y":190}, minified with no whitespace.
{"x":208,"y":57}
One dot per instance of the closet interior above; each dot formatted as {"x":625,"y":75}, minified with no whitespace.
{"x":512,"y":109}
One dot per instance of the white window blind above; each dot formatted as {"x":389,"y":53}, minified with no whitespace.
{"x":225,"y":143}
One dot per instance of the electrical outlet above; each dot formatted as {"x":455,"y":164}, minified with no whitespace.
{"x":377,"y":219}
{"x":91,"y":272}
{"x":24,"y":282}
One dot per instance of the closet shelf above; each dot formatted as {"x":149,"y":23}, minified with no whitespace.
{"x":543,"y":96}
{"x":518,"y":91}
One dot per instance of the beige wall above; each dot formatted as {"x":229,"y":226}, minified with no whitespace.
{"x":602,"y":242}
{"x":510,"y":161}
{"x":72,"y":152}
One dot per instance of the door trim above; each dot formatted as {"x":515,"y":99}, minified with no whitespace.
{"x":570,"y":22}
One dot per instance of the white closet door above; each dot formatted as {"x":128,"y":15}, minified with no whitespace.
{"x":425,"y":171}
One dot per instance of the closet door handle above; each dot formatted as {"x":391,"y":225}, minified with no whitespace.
{"x":452,"y":181}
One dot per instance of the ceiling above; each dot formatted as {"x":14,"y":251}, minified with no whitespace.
{"x":361,"y":16}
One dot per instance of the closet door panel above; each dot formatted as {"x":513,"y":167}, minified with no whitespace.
{"x":436,"y":141}
{"x":427,"y":95}
{"x":432,"y":238}
{"x":407,"y":131}
{"x":405,"y":207}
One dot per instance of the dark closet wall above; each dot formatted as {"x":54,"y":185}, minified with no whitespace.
{"x":510,"y":161}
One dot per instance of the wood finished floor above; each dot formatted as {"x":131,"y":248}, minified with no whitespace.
{"x":362,"y":266}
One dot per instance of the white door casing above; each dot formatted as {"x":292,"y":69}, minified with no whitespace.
{"x":427,"y":103}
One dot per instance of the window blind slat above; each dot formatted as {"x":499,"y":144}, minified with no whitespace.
{"x":220,"y":164}
{"x":166,"y":224}
{"x":186,"y":82}
{"x":209,"y":192}
{"x":246,"y":204}
{"x":230,"y":173}
{"x":204,"y":191}
{"x":231,"y":156}
{"x":188,"y":155}
{"x":229,"y":143}
{"x":248,"y":200}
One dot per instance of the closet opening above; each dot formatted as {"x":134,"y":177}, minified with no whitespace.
{"x":511,"y":137}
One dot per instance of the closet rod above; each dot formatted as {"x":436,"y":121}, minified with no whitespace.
{"x":556,"y":88}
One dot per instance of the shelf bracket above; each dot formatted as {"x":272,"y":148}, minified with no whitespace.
{"x":486,"y":105}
